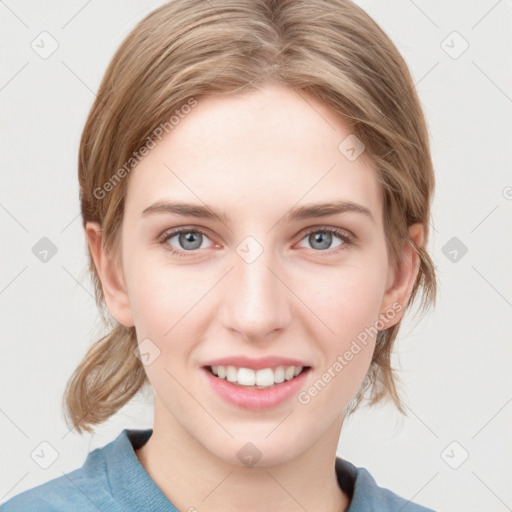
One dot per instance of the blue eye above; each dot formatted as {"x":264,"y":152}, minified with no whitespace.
{"x":190,"y":240}
{"x":321,"y":239}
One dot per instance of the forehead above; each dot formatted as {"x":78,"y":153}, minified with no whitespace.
{"x":260,"y":151}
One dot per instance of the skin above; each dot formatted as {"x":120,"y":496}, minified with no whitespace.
{"x":254,"y":156}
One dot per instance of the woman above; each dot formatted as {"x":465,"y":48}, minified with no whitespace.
{"x":255,"y":184}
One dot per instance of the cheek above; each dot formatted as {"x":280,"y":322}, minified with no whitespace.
{"x":171,"y":307}
{"x":167,"y":310}
{"x":161,"y":293}
{"x":347,"y":299}
{"x":331,"y":301}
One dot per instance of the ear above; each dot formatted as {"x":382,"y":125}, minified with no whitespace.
{"x":401,"y":279}
{"x":112,"y":279}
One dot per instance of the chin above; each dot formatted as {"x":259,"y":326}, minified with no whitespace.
{"x":253,"y":448}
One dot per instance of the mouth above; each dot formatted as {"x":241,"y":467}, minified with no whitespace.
{"x":260,"y":379}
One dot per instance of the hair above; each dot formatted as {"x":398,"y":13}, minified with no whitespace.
{"x":331,"y":50}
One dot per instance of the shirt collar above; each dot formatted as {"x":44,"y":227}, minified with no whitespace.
{"x":132,"y":486}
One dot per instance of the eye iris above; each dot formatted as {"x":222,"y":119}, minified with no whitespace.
{"x":324,"y":239}
{"x":191,"y":240}
{"x":187,"y":238}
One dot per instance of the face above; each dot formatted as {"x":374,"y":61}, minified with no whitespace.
{"x":257,"y":281}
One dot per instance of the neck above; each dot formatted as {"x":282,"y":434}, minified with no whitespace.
{"x":194,"y":479}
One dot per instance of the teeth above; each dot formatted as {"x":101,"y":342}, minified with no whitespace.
{"x":246,"y":377}
{"x":231,"y":374}
{"x":279,"y":375}
{"x":289,"y":372}
{"x":259,"y":378}
{"x":265,"y":377}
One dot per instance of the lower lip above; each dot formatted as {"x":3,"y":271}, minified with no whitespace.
{"x":256,"y":399}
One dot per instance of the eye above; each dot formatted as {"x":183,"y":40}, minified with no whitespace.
{"x":187,"y":240}
{"x":321,"y":239}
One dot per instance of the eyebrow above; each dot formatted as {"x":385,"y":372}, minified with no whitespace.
{"x":298,"y":213}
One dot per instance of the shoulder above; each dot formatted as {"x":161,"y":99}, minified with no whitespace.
{"x":367,"y":496}
{"x":53,"y":496}
{"x":84,"y":489}
{"x":111,"y":478}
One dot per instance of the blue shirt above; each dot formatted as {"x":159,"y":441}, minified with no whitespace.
{"x":113,"y":480}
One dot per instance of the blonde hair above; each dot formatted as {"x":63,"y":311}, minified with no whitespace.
{"x":329,"y":49}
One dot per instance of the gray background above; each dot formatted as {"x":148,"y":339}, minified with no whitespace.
{"x":456,"y":360}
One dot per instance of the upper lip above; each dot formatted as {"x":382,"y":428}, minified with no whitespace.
{"x":256,"y":363}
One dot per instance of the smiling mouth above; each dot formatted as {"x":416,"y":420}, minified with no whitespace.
{"x":257,"y":379}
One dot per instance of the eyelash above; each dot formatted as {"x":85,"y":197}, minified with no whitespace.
{"x":347,"y":238}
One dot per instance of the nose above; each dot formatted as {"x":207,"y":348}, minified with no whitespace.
{"x":256,"y":303}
